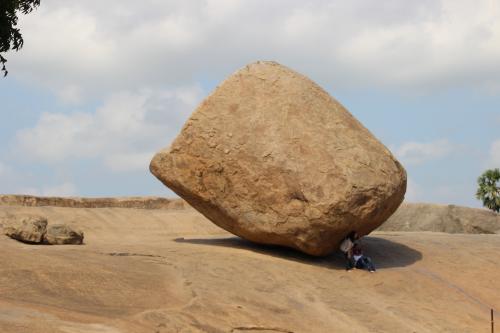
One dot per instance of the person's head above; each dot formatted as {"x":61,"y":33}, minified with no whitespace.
{"x":353,"y":235}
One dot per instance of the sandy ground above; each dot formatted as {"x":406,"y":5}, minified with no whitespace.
{"x":163,"y":271}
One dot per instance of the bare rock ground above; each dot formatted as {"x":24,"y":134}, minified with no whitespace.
{"x":443,"y":218}
{"x":171,"y":270}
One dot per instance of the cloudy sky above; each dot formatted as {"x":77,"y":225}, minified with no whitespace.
{"x":101,"y":85}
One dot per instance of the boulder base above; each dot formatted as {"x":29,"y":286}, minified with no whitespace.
{"x":271,"y":157}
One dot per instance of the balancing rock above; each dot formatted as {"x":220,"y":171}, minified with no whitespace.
{"x":273,"y":158}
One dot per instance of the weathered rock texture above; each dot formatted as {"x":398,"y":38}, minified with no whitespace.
{"x":58,"y":234}
{"x":125,"y":202}
{"x":34,"y":229}
{"x":28,"y":229}
{"x":443,"y":218}
{"x":271,"y":157}
{"x":135,"y":275}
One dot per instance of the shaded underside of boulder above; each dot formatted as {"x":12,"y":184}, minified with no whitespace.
{"x":271,"y":157}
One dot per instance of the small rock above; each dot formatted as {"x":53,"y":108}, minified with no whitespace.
{"x":58,"y":234}
{"x":29,"y":229}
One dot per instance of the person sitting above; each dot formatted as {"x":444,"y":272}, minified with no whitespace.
{"x":360,"y":260}
{"x":346,"y":247}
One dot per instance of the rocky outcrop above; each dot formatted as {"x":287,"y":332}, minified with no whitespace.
{"x":59,"y":234}
{"x":126,"y":202}
{"x":29,"y":229}
{"x":34,"y":229}
{"x":443,"y":218}
{"x":271,"y":157}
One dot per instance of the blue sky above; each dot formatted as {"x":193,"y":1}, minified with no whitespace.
{"x":98,"y":88}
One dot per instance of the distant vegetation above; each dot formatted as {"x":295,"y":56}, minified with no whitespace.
{"x":489,"y":189}
{"x":10,"y":36}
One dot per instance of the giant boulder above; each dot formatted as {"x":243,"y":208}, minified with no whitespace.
{"x":271,"y":157}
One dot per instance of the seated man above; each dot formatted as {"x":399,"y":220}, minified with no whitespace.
{"x":360,"y":260}
{"x":346,"y":247}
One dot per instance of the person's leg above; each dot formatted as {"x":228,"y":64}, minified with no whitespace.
{"x":349,"y":264}
{"x":369,"y":264}
{"x":365,"y":263}
{"x":360,"y":263}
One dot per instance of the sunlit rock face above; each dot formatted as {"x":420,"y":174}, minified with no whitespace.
{"x":273,"y":158}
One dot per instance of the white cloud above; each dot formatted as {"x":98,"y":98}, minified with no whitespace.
{"x":456,"y":194}
{"x":446,"y":193}
{"x":84,"y":52}
{"x":62,"y":190}
{"x":27,"y":190}
{"x":122,"y":132}
{"x":12,"y":181}
{"x":440,"y":47}
{"x":71,"y":94}
{"x":494,"y":160}
{"x":65,"y":189}
{"x":413,"y":191}
{"x":104,"y":48}
{"x":3,"y":169}
{"x":129,"y":162}
{"x":57,"y":136}
{"x":414,"y":153}
{"x":8,"y":179}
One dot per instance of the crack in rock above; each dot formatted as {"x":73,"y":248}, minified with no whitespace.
{"x":260,"y":328}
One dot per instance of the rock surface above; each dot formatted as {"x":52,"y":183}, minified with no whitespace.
{"x":135,"y":275}
{"x":59,"y":234}
{"x":34,"y":229}
{"x":443,"y":218}
{"x":272,"y":158}
{"x":408,"y":217}
{"x":125,"y":202}
{"x":28,"y":229}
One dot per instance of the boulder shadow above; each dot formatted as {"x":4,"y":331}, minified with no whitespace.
{"x":383,"y":252}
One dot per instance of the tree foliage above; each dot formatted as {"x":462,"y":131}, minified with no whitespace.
{"x":10,"y":36}
{"x":489,"y":189}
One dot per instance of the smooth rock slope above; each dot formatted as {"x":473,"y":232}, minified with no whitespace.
{"x":443,"y":218}
{"x":271,"y":157}
{"x":170,"y":270}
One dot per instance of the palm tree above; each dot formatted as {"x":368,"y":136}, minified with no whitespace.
{"x":489,"y":189}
